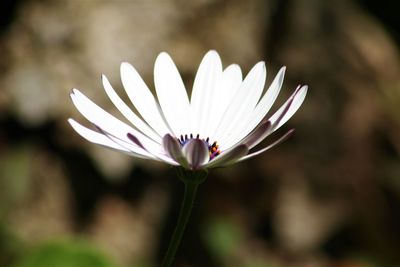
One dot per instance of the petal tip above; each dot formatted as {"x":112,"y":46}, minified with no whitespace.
{"x":213,"y":55}
{"x":71,"y":121}
{"x":260,"y":64}
{"x":167,"y":137}
{"x":212,"y":52}
{"x":301,"y":89}
{"x":73,"y":92}
{"x":163,"y":54}
{"x":125,"y":66}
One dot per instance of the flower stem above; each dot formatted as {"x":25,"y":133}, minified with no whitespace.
{"x":191,"y":179}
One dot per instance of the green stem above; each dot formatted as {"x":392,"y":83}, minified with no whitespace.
{"x":192,"y":180}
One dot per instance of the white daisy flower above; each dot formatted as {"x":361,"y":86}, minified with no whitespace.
{"x":221,"y":123}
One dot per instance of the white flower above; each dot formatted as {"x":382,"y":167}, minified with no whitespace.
{"x":222,"y":122}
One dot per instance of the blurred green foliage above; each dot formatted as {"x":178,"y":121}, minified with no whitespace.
{"x":15,"y":173}
{"x":72,"y":253}
{"x":223,"y":237}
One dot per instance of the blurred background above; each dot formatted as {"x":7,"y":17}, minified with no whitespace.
{"x":327,"y":197}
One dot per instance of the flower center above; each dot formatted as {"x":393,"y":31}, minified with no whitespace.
{"x":213,"y":148}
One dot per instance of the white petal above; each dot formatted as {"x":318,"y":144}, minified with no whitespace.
{"x":242,"y":104}
{"x":101,"y":139}
{"x":171,"y":94}
{"x":207,"y":77}
{"x":277,"y":118}
{"x":261,"y":109}
{"x":228,"y":157}
{"x":128,"y":113}
{"x":106,"y":121}
{"x":261,"y":132}
{"x":161,"y":155}
{"x":131,"y":146}
{"x":277,"y":142}
{"x":196,"y":153}
{"x":142,"y":99}
{"x":94,"y":137}
{"x":98,"y":116}
{"x":297,"y":100}
{"x":231,"y":81}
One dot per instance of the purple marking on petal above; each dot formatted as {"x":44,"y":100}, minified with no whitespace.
{"x":196,"y":152}
{"x":229,"y":156}
{"x":173,"y":149}
{"x":277,"y":142}
{"x":135,"y":140}
{"x":171,"y":146}
{"x":287,"y":107}
{"x":260,"y":132}
{"x":281,"y":115}
{"x":101,"y":130}
{"x":108,"y":134}
{"x":112,"y":137}
{"x":120,"y":142}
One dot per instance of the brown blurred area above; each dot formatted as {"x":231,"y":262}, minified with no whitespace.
{"x":327,"y":197}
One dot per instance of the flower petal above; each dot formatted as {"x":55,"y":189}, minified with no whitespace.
{"x":295,"y":102}
{"x":207,"y":77}
{"x":228,"y":157}
{"x":262,"y":131}
{"x":241,"y":105}
{"x":277,"y":142}
{"x":106,"y":121}
{"x":99,"y":116}
{"x":196,"y":153}
{"x":107,"y":141}
{"x":136,"y":145}
{"x":127,"y":112}
{"x":143,"y":99}
{"x":261,"y":109}
{"x":133,"y":147}
{"x":231,"y":81}
{"x":276,"y":119}
{"x":95,"y":137}
{"x":171,"y":94}
{"x":173,"y":149}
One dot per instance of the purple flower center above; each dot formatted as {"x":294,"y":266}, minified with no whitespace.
{"x":213,"y":148}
